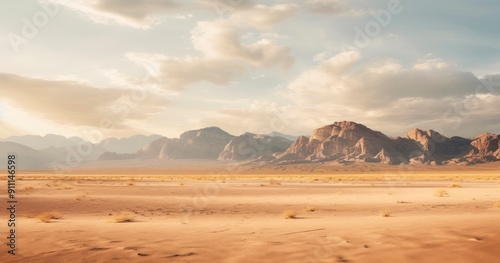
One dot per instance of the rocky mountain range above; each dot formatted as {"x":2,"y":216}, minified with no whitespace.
{"x":342,"y":142}
{"x":44,"y":152}
{"x":350,"y":141}
{"x":205,"y":143}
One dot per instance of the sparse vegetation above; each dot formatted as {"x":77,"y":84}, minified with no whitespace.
{"x":454,"y":186}
{"x":310,"y":208}
{"x":130,"y":183}
{"x":385,"y":213}
{"x":289,"y":214}
{"x":47,"y":217}
{"x":124,"y":217}
{"x":441,"y":193}
{"x":274,"y":182}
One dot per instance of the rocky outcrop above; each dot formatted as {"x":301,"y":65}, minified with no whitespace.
{"x":483,"y":148}
{"x":153,"y":149}
{"x":251,"y":146}
{"x":486,"y":144}
{"x":345,"y":140}
{"x":205,"y":143}
{"x":352,"y":141}
{"x":431,"y":146}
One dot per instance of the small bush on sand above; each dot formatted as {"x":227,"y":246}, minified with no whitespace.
{"x":124,"y":217}
{"x":274,"y":182}
{"x":47,"y":217}
{"x":289,"y":214}
{"x":385,"y":213}
{"x":441,"y":193}
{"x":454,"y":186}
{"x":310,"y":208}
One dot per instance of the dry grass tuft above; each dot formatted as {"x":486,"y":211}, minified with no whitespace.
{"x":454,"y":186}
{"x":441,"y":193}
{"x":274,"y":182}
{"x":47,"y":217}
{"x":124,"y":217}
{"x":289,"y":214}
{"x":310,"y":208}
{"x":385,"y":213}
{"x":130,"y":183}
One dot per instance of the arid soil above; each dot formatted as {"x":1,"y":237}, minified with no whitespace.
{"x":425,"y":216}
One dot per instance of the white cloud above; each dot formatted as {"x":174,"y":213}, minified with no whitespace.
{"x":138,"y":14}
{"x":223,"y":57}
{"x":331,"y":7}
{"x":382,"y":92}
{"x":432,"y":64}
{"x":263,"y":16}
{"x":74,"y":103}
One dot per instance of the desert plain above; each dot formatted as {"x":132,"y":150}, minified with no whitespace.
{"x":287,"y":214}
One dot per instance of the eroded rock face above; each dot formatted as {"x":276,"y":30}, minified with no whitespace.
{"x":342,"y":141}
{"x":205,"y":143}
{"x":352,"y":141}
{"x":485,"y":144}
{"x":346,"y":140}
{"x":251,"y":146}
{"x":153,"y":149}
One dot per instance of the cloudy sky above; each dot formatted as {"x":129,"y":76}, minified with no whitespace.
{"x":122,"y":67}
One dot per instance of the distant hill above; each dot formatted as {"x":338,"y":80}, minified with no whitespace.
{"x":26,"y":157}
{"x":128,"y":145}
{"x":286,"y":136}
{"x":205,"y":143}
{"x":37,"y":142}
{"x":251,"y":146}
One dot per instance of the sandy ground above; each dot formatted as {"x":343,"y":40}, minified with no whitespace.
{"x":219,"y":219}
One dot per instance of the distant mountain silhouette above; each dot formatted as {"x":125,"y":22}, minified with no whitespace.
{"x":205,"y":143}
{"x":251,"y":146}
{"x":286,"y":136}
{"x":343,"y":141}
{"x":37,"y":142}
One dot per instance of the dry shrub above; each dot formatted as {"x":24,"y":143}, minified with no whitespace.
{"x":310,"y":208}
{"x":47,"y":217}
{"x":454,"y":186}
{"x":385,"y":213}
{"x":289,"y":214}
{"x":274,"y":182}
{"x":124,"y":217}
{"x":441,"y":193}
